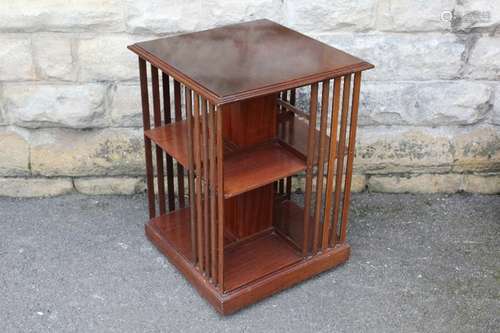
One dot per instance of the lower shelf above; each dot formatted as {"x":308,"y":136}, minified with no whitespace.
{"x":255,"y":268}
{"x":244,"y":262}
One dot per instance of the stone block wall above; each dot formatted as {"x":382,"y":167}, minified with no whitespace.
{"x":69,"y":97}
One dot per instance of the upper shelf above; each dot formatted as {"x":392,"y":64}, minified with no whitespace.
{"x":259,"y":166}
{"x":246,"y":60}
{"x":244,"y":170}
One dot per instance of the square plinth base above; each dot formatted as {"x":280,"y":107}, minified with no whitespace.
{"x":166,"y":235}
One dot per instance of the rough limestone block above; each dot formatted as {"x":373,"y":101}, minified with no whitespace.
{"x":61,"y":15}
{"x":35,"y":187}
{"x":106,"y":57}
{"x":159,"y":16}
{"x":53,"y":56}
{"x":386,"y":150}
{"x":477,"y":149}
{"x":429,"y":56}
{"x":437,"y":103}
{"x":14,"y":152}
{"x":495,"y":116}
{"x":485,"y":184}
{"x":470,"y":14}
{"x":484,"y":60}
{"x":327,"y":15}
{"x":37,"y":105}
{"x":219,"y":13}
{"x":16,"y":62}
{"x":3,"y":114}
{"x":413,"y":15}
{"x":109,"y":185}
{"x":425,"y":183}
{"x":112,"y":151}
{"x":125,"y":105}
{"x":445,"y":103}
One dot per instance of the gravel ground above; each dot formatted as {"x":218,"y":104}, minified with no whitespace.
{"x":420,"y":263}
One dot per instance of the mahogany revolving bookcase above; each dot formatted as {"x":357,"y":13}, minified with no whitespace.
{"x":226,"y":139}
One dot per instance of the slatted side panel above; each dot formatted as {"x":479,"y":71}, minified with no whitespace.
{"x":161,"y":106}
{"x":205,"y":178}
{"x":328,"y":185}
{"x":165,"y":100}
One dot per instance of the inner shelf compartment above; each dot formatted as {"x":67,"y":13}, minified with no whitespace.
{"x":245,"y":261}
{"x":294,"y":132}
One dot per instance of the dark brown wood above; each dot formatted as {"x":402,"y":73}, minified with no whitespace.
{"x":170,"y":236}
{"x":220,"y":199}
{"x":259,"y":166}
{"x":167,"y":116}
{"x":226,"y":64}
{"x":257,"y":258}
{"x":332,"y":156}
{"x":250,"y":122}
{"x":147,"y":142}
{"x":205,"y":169}
{"x":350,"y":155}
{"x":249,"y":213}
{"x":319,"y":174}
{"x":295,"y":134}
{"x":292,"y":108}
{"x":190,"y":164}
{"x":243,"y":138}
{"x":309,"y":170}
{"x":180,"y":169}
{"x":213,"y":192}
{"x":291,"y":129}
{"x":155,"y":86}
{"x":173,"y":139}
{"x":197,"y":171}
{"x":340,"y":157}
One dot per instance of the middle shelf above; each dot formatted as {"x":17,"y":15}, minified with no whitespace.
{"x":243,"y":170}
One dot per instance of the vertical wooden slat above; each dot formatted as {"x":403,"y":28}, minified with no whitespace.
{"x":350,"y":155}
{"x":220,"y":199}
{"x":167,"y":118}
{"x":212,"y":188}
{"x":309,"y":164}
{"x":192,"y":206}
{"x":340,"y":156}
{"x":283,"y":96}
{"x":197,"y":178}
{"x":332,"y":155}
{"x":180,"y":169}
{"x":147,"y":141}
{"x":288,"y":190}
{"x":206,"y":203}
{"x":321,"y":158}
{"x":292,"y":96}
{"x":159,"y":153}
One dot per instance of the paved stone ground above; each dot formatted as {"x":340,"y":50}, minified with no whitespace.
{"x":420,"y":263}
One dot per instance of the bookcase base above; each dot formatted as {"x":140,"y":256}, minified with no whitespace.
{"x":231,"y":301}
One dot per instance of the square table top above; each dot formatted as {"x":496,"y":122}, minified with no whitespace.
{"x":246,"y":60}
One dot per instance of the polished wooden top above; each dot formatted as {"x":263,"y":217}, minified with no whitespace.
{"x":246,"y":60}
